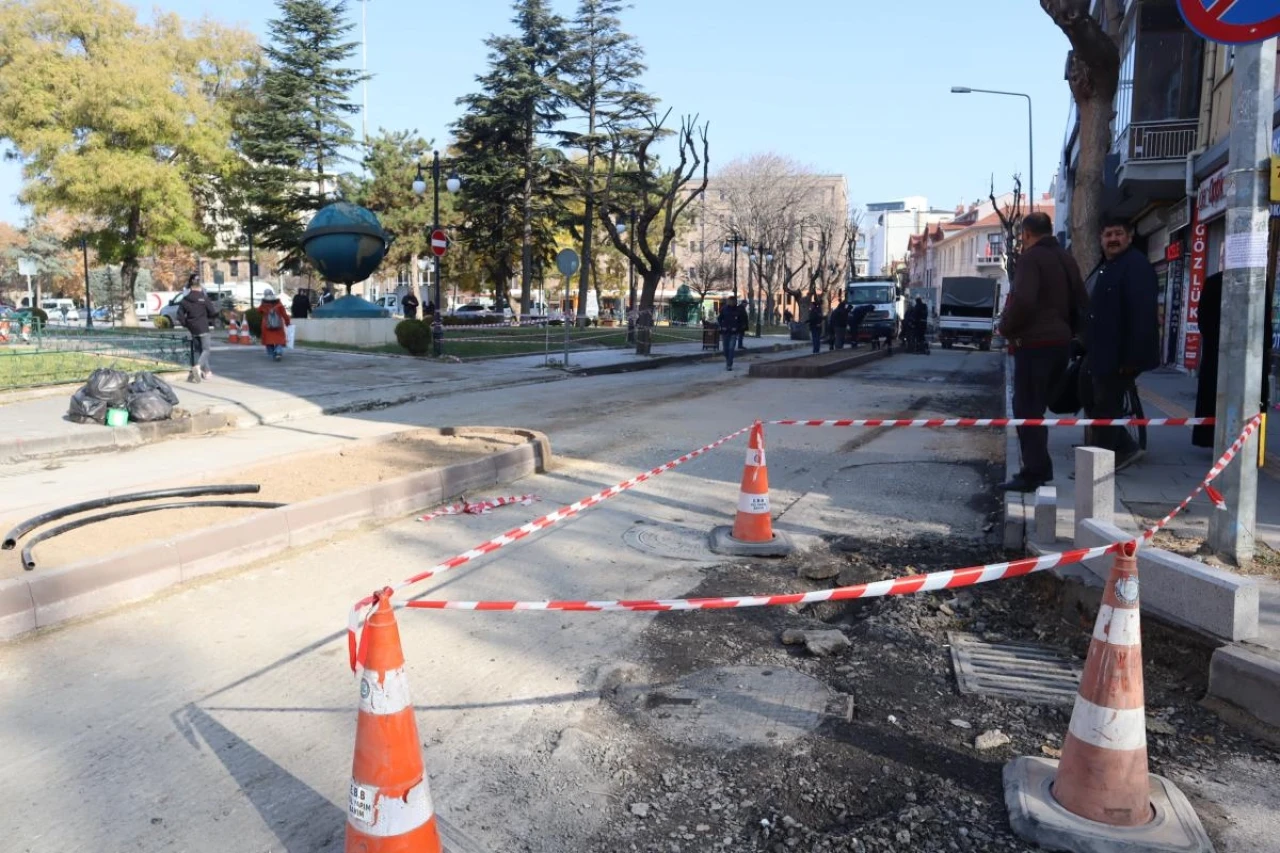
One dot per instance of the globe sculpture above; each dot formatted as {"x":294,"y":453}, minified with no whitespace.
{"x":346,"y":244}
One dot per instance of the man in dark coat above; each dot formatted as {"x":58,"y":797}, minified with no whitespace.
{"x":196,"y":314}
{"x":815,"y":326}
{"x":1122,"y":337}
{"x":301,"y":306}
{"x":729,"y":321}
{"x":1039,"y":321}
{"x":409,"y":304}
{"x":744,"y":323}
{"x":839,"y":324}
{"x":856,"y":316}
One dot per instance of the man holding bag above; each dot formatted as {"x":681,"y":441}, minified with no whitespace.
{"x":1040,"y":321}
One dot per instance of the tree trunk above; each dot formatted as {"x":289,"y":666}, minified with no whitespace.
{"x":1086,"y":196}
{"x":129,"y":268}
{"x":526,"y":238}
{"x":415,"y":281}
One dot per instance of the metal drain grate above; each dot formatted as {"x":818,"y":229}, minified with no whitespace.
{"x":1022,"y":671}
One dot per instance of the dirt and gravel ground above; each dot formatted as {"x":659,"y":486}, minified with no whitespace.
{"x":289,"y":479}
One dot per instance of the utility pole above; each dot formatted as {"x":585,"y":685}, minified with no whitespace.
{"x":1244,"y":288}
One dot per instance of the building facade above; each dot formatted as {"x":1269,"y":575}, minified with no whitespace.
{"x":890,"y":225}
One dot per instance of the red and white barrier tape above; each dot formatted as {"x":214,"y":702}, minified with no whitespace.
{"x":479,"y":507}
{"x":1001,"y":422}
{"x":537,"y":525}
{"x":949,"y":579}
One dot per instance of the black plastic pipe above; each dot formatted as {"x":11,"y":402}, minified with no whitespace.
{"x":11,"y":538}
{"x":29,"y":562}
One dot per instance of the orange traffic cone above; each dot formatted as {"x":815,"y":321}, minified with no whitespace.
{"x":1103,"y":772}
{"x":246,"y":337}
{"x":389,"y":809}
{"x":1100,"y":793}
{"x":233,"y":331}
{"x":752,"y":533}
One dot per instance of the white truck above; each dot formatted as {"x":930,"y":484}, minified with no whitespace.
{"x":888,"y":306}
{"x":967,"y":311}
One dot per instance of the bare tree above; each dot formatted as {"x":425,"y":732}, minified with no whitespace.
{"x":1011,"y":223}
{"x":828,"y":262}
{"x":660,"y":198}
{"x":1093,"y":72}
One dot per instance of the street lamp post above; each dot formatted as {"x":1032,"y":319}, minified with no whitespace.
{"x":1031,"y":148}
{"x":420,"y":187}
{"x":88,"y":296}
{"x":762,"y":254}
{"x":731,"y":245}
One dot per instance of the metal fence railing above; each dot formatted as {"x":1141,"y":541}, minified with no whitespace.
{"x":56,"y":355}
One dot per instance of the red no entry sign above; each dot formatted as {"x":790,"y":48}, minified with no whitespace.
{"x":1232,"y":21}
{"x":439,"y":242}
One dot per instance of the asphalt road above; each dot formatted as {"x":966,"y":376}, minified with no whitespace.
{"x":221,"y":716}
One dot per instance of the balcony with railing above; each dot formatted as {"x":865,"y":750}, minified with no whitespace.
{"x":990,"y":255}
{"x":1159,"y":141}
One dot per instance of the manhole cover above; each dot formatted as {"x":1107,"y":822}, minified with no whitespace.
{"x":670,"y":541}
{"x":735,"y":706}
{"x":1022,"y":671}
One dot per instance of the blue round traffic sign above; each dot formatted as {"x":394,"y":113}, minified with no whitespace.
{"x":1232,"y":21}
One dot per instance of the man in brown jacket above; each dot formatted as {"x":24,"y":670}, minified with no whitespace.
{"x":1039,"y":322}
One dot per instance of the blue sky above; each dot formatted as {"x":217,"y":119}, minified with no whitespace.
{"x":849,"y":87}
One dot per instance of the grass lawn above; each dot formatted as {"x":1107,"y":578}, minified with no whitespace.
{"x":30,"y":369}
{"x":465,"y":342}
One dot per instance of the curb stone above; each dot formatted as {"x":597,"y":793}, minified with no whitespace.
{"x":92,"y":586}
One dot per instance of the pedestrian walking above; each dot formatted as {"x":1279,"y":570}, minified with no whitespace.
{"x":275,"y":319}
{"x":301,"y":306}
{"x":840,"y":324}
{"x":815,"y":326}
{"x":744,"y":323}
{"x":1121,"y":337}
{"x":1039,"y":321}
{"x":729,"y":321}
{"x":856,"y":316}
{"x":409,"y":305}
{"x":196,"y":314}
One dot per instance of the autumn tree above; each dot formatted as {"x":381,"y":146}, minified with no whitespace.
{"x":1093,"y":73}
{"x":116,"y":119}
{"x":659,"y":196}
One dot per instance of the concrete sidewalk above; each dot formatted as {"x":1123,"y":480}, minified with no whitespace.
{"x":250,"y":390}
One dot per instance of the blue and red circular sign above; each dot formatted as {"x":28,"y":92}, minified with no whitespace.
{"x":1232,"y":21}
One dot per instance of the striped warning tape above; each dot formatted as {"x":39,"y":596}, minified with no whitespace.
{"x":949,"y":579}
{"x":1001,"y":422}
{"x":479,"y":507}
{"x":516,"y":534}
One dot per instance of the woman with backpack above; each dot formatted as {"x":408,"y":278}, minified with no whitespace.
{"x":275,"y":319}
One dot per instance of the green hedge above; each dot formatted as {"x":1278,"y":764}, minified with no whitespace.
{"x":414,"y":336}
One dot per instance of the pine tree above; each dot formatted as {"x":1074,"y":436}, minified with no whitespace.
{"x":600,"y":73}
{"x":498,"y":140}
{"x":294,"y":132}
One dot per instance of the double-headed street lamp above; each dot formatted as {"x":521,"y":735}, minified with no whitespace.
{"x":631,"y":276}
{"x":454,"y":183}
{"x":1031,"y":148}
{"x":761,"y":254}
{"x":731,"y":245}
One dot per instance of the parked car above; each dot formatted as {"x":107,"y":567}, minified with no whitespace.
{"x":480,"y":310}
{"x":64,"y":309}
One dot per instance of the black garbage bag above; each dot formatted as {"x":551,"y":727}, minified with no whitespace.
{"x":149,"y":406}
{"x":109,"y":386}
{"x":86,"y":408}
{"x":143,"y":382}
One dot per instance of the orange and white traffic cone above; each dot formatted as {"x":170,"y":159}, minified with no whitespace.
{"x":389,"y":809}
{"x":1103,"y":772}
{"x":233,"y":331}
{"x":1100,"y":791}
{"x":246,"y":337}
{"x":752,"y":532}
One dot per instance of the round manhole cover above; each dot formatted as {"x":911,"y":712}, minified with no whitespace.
{"x":735,"y":706}
{"x":670,"y":541}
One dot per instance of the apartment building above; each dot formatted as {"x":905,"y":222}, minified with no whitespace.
{"x":890,"y":225}
{"x":1166,"y":170}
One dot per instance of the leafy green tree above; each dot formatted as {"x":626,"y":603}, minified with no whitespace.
{"x":293,"y":130}
{"x":117,"y":120}
{"x":498,"y":139}
{"x":599,"y":72}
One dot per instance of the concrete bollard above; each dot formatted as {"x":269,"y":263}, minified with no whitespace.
{"x":1095,"y":484}
{"x":1046,"y":528}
